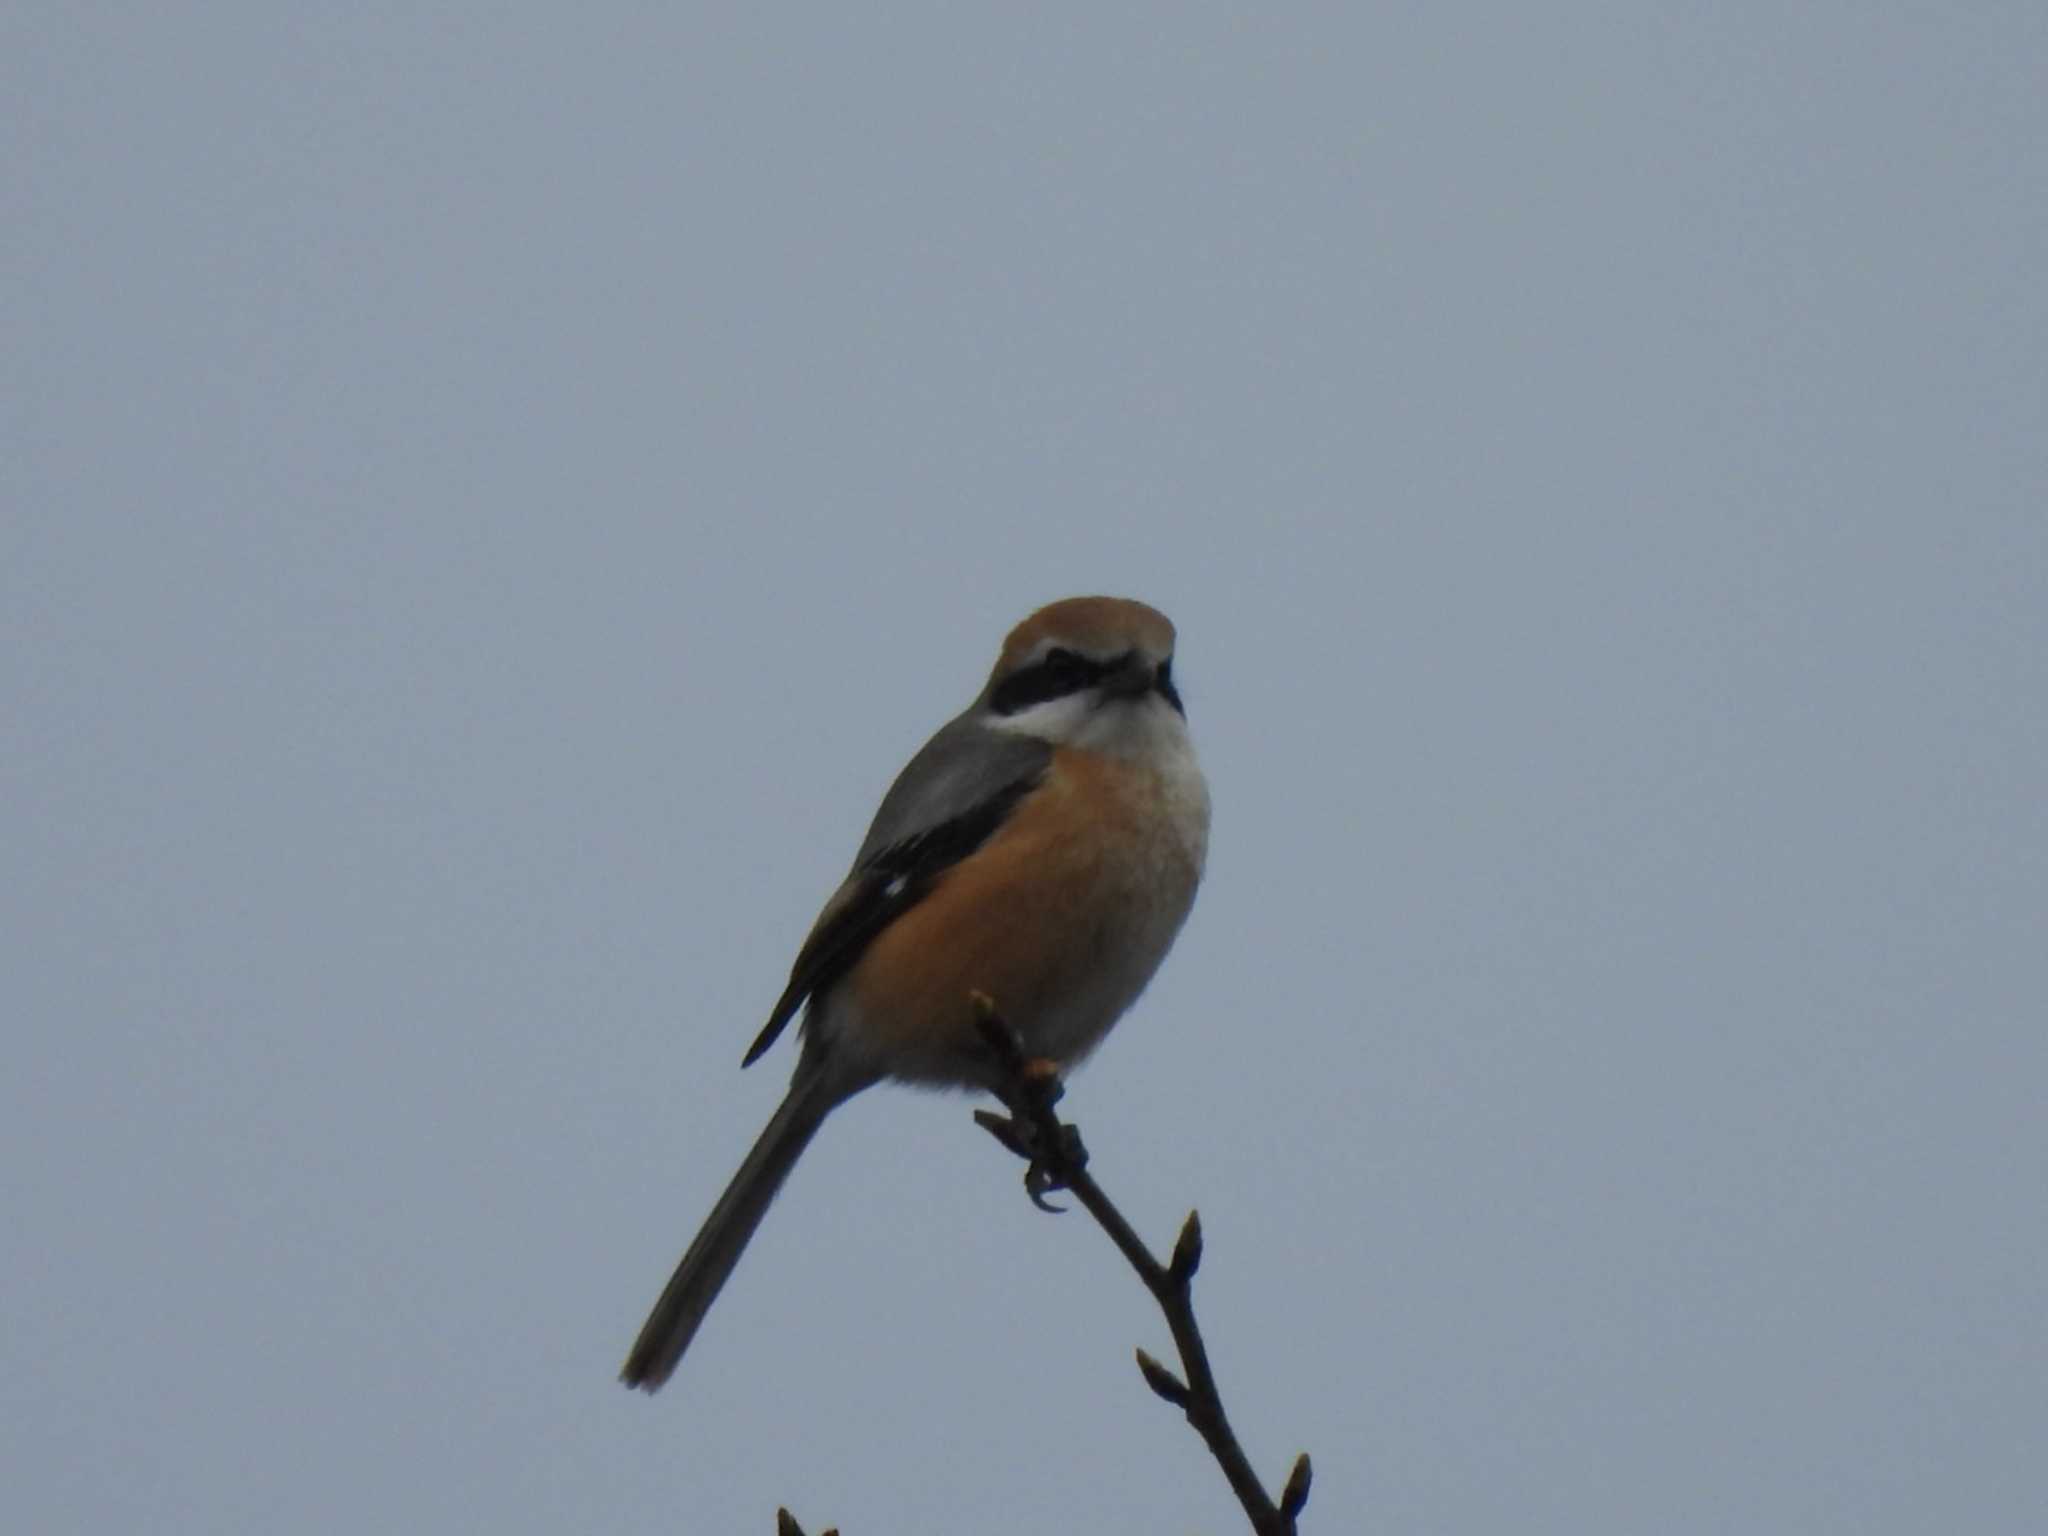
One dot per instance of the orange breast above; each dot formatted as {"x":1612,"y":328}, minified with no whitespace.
{"x":1061,"y":917}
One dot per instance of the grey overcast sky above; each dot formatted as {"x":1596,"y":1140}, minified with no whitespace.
{"x":492,"y":493}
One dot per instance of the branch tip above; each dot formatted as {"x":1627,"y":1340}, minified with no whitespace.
{"x":1005,"y":1130}
{"x":996,"y":1030}
{"x":1294,"y":1497}
{"x":1162,"y":1381}
{"x":1187,"y":1251}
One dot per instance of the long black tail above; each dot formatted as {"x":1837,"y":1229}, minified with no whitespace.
{"x":718,"y":1245}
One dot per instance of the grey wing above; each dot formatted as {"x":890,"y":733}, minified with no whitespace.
{"x":947,"y":802}
{"x":963,"y":766}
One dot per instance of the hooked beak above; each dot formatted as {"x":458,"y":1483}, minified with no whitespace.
{"x":1132,"y":677}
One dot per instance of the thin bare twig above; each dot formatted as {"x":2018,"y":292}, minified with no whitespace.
{"x":1057,"y":1160}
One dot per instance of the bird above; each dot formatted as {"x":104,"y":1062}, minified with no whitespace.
{"x":1042,"y":850}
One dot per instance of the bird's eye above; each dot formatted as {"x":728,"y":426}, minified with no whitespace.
{"x":1054,"y":675}
{"x":1063,"y":666}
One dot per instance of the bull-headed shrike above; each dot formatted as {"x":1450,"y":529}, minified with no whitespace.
{"x":1042,"y":849}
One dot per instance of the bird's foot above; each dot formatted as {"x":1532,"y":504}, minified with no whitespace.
{"x":1029,"y":1087}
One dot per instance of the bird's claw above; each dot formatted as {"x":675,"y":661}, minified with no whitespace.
{"x":1039,"y":1180}
{"x":1030,"y":1087}
{"x":1047,"y":1168}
